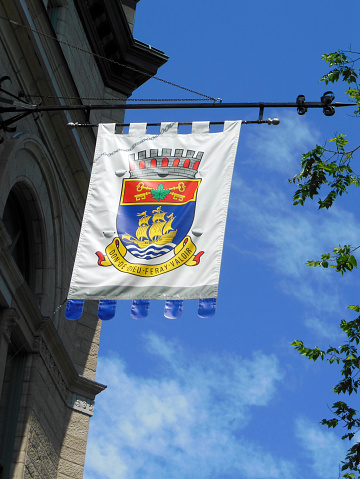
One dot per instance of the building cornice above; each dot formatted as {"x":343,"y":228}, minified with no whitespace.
{"x":109,"y":35}
{"x":78,"y":392}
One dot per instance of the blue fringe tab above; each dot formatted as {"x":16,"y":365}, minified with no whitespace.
{"x":74,"y":308}
{"x":173,"y":308}
{"x":107,"y":309}
{"x":207,"y":307}
{"x":140,"y":308}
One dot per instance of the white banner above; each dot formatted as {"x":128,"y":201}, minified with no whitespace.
{"x":155,"y":215}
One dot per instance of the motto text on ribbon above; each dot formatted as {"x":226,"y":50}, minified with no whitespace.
{"x":115,"y":252}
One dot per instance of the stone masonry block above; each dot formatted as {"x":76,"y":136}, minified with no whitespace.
{"x":78,"y":429}
{"x":72,"y":455}
{"x":70,"y":469}
{"x":88,"y":333}
{"x":75,"y":443}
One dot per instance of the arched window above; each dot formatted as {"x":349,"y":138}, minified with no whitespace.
{"x":23,"y":222}
{"x":17,"y":225}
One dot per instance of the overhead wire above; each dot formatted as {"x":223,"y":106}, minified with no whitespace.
{"x":96,"y":55}
{"x":116,"y":99}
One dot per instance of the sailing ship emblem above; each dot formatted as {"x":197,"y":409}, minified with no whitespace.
{"x":155,"y":231}
{"x":155,"y":215}
{"x":147,"y":231}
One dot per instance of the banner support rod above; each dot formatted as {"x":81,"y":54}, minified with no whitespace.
{"x":22,"y":108}
{"x":269,"y":121}
{"x":153,"y":106}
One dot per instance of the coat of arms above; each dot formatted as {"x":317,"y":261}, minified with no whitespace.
{"x":155,"y":215}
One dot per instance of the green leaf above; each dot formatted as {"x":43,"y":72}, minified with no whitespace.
{"x":160,"y":193}
{"x":326,"y":175}
{"x":354,"y":307}
{"x":353,"y":261}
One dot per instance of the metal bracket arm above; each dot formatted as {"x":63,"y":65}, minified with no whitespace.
{"x":23,"y":108}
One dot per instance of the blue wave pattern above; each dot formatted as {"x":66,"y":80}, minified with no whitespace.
{"x":151,"y":251}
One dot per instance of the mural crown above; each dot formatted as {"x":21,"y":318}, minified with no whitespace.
{"x":179,"y":163}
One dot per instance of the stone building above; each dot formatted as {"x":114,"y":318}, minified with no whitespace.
{"x":48,"y":364}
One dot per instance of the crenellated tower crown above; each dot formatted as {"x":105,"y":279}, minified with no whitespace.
{"x":180,"y":164}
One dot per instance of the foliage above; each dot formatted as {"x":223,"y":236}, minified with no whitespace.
{"x":160,"y":193}
{"x":319,"y":170}
{"x":325,"y":167}
{"x":348,"y":357}
{"x":343,"y":258}
{"x":344,"y":70}
{"x":328,"y":172}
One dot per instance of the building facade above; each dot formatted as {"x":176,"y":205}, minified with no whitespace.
{"x":47,"y":363}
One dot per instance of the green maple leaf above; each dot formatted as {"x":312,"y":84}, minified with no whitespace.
{"x":160,"y":193}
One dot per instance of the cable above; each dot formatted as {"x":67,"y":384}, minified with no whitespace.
{"x":59,"y":307}
{"x":112,"y":99}
{"x":108,"y":59}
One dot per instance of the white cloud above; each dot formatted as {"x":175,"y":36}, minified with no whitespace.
{"x":184,"y":423}
{"x":323,"y":328}
{"x":323,"y":447}
{"x":279,"y":148}
{"x":292,"y":235}
{"x":273,"y":231}
{"x":285,"y":238}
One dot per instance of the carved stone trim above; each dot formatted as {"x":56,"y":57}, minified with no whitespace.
{"x":41,"y":458}
{"x":81,"y":403}
{"x":8,"y":322}
{"x":71,"y":399}
{"x":118,"y":44}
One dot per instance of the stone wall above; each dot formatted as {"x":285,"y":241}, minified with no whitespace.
{"x":41,"y":458}
{"x":45,"y":412}
{"x":47,"y":363}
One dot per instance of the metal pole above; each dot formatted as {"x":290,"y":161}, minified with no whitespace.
{"x":20,"y":107}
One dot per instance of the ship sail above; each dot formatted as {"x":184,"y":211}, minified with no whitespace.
{"x":159,"y":232}
{"x":167,"y":226}
{"x":158,"y":215}
{"x":141,"y":232}
{"x":144,"y":220}
{"x":155,"y":230}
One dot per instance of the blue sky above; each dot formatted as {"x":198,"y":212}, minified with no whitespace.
{"x":228,"y":398}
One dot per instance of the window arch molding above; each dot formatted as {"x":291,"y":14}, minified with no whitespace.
{"x":28,"y":183}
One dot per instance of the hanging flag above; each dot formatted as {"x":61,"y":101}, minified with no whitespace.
{"x":154,"y":220}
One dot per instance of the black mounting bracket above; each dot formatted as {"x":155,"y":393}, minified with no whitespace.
{"x":15,"y":103}
{"x":20,"y":105}
{"x":327,"y":99}
{"x":301,"y":109}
